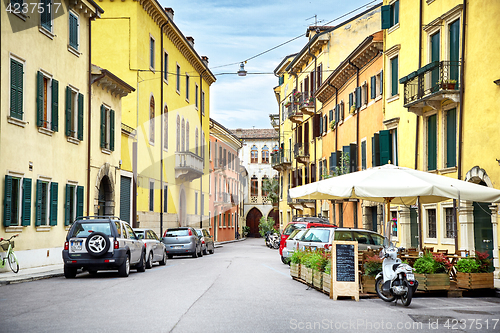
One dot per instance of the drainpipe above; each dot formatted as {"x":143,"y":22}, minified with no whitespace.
{"x":460,"y":116}
{"x":312,"y":92}
{"x":357,"y":144}
{"x":89,"y":132}
{"x":296,"y":164}
{"x":202,"y":146}
{"x":162,"y":74}
{"x":417,"y":127}
{"x":334,"y":217}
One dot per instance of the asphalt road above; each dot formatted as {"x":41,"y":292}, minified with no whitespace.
{"x":243,"y":287}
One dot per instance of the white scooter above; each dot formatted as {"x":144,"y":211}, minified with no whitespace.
{"x":396,"y":279}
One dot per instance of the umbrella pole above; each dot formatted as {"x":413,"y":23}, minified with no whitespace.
{"x":387,"y":225}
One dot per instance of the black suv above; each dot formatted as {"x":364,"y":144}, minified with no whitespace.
{"x":102,"y":243}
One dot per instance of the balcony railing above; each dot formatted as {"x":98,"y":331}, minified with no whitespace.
{"x":300,"y":204}
{"x":306,"y":103}
{"x":275,"y":121}
{"x":280,"y":160}
{"x":301,"y":152}
{"x":432,"y":83}
{"x":188,"y":166}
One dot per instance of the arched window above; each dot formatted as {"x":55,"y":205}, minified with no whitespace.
{"x":183,"y":135}
{"x":152,"y":120}
{"x":187,"y":135}
{"x":196,"y":141}
{"x":254,"y":186}
{"x":265,"y":154}
{"x":165,"y":127}
{"x":178,"y":134}
{"x":254,"y":154}
{"x":275,"y":149}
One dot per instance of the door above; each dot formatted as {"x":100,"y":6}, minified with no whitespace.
{"x":414,"y":227}
{"x":483,"y":229}
{"x":374,"y":218}
{"x":435,"y":57}
{"x":253,"y":219}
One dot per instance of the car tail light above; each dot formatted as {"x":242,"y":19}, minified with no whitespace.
{"x":66,"y":246}
{"x":117,"y":245}
{"x":190,"y":233}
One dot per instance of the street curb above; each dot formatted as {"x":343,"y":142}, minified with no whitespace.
{"x":219,"y":244}
{"x":30,"y":278}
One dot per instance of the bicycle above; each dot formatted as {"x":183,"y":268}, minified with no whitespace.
{"x":8,"y":245}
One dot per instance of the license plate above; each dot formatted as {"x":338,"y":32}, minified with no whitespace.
{"x":410,"y":277}
{"x":76,"y":245}
{"x":177,"y":247}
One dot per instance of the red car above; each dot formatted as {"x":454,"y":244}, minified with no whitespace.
{"x":300,"y":222}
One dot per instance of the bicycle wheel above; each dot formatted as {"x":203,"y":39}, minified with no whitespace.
{"x":13,"y":263}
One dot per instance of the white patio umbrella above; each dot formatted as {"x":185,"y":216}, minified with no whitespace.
{"x":396,"y":185}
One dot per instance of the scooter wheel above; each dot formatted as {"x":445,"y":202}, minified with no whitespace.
{"x":406,"y":298}
{"x":378,"y":288}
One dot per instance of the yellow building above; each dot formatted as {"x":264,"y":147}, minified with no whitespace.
{"x":440,"y":93}
{"x":49,"y":145}
{"x":301,"y":74}
{"x":165,"y":123}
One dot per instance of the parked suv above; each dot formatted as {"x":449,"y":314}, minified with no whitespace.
{"x":301,"y":222}
{"x":182,"y":241}
{"x":316,"y":238}
{"x":102,"y":243}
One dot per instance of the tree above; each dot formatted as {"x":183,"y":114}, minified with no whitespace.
{"x":266,"y":225}
{"x":271,"y":187}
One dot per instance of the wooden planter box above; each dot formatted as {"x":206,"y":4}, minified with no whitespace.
{"x":327,"y":279}
{"x":318,"y":279}
{"x":303,"y":272}
{"x":295,"y":270}
{"x":427,"y":282}
{"x":368,"y":284}
{"x":308,"y":275}
{"x":475,"y":280}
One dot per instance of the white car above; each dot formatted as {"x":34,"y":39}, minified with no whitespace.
{"x":291,"y":244}
{"x":316,"y":238}
{"x":155,"y":249}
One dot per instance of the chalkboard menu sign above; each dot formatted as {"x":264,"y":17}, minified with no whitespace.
{"x":345,"y":263}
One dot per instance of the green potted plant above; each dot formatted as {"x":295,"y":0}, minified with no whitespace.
{"x":431,"y":271}
{"x":372,"y":265}
{"x":327,"y":277}
{"x":475,"y":272}
{"x":288,"y":103}
{"x":246,"y":230}
{"x":447,"y":84}
{"x":332,"y":125}
{"x":295,"y":263}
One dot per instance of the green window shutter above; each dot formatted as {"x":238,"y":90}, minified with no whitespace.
{"x":385,"y":146}
{"x":46,"y":15}
{"x":386,"y":17}
{"x":358,"y":97}
{"x":7,"y":204}
{"x":373,"y":90}
{"x":435,"y":50}
{"x":16,"y":89}
{"x":321,"y":124}
{"x":112,"y":130}
{"x":432,"y":142}
{"x":363,"y":155}
{"x":68,"y":111}
{"x":55,"y":105}
{"x":53,"y":203}
{"x":73,"y":31}
{"x":103,"y":126}
{"x":79,"y":201}
{"x":353,"y":157}
{"x":346,"y":150}
{"x":454,"y":49}
{"x":394,"y":76}
{"x":451,"y":138}
{"x":375,"y":150}
{"x":80,"y":117}
{"x":39,"y":99}
{"x":394,"y":153}
{"x":396,"y":12}
{"x":351,"y":101}
{"x":381,"y":81}
{"x":331,"y":115}
{"x":38,"y":203}
{"x":67,"y":207}
{"x":26,"y":219}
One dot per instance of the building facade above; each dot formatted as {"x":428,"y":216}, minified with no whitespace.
{"x":225,"y":186}
{"x":165,"y":122}
{"x":255,"y":157}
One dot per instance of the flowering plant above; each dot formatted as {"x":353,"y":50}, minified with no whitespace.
{"x":372,"y":265}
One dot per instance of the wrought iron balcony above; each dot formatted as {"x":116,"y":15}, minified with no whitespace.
{"x":275,"y":121}
{"x":430,"y":85}
{"x":294,"y":114}
{"x":306,"y":103}
{"x":188,"y":166}
{"x":280,"y":160}
{"x":301,"y":152}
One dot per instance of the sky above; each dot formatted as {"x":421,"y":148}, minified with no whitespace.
{"x":231,"y":31}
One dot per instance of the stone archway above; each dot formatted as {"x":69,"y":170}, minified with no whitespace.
{"x":253,"y":218}
{"x":274,"y":213}
{"x":104,"y":192}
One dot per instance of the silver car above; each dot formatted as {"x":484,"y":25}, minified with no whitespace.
{"x":155,"y":249}
{"x":182,"y":241}
{"x":207,"y":242}
{"x":316,"y":238}
{"x":291,"y":243}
